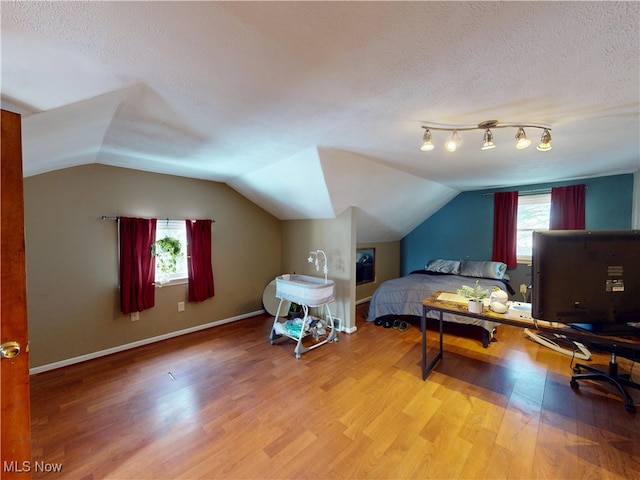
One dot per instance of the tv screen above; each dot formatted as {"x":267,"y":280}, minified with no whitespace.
{"x":586,"y":277}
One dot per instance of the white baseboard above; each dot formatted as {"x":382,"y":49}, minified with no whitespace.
{"x":139,"y":343}
{"x":363,"y":300}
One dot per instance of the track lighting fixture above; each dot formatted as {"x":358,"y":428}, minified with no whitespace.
{"x":545,"y":141}
{"x":488,"y":140}
{"x":426,"y":141}
{"x":452,"y":144}
{"x":522,"y":141}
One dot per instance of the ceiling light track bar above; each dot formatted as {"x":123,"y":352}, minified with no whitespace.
{"x":522,"y":141}
{"x":501,"y":125}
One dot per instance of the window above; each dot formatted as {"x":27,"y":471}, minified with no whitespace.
{"x":533,"y":214}
{"x":172,"y":274}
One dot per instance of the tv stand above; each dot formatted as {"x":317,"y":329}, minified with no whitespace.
{"x":612,"y":376}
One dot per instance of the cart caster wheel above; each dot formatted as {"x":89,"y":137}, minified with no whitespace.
{"x":574,"y":384}
{"x":629,"y":407}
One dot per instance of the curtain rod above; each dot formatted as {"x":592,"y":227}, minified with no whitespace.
{"x":524,"y":193}
{"x":105,"y":217}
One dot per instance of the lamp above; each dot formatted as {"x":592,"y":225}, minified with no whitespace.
{"x":488,"y":140}
{"x":452,"y":144}
{"x":427,"y":145}
{"x":545,"y":141}
{"x":522,"y":141}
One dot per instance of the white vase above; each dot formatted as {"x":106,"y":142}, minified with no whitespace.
{"x":476,"y":306}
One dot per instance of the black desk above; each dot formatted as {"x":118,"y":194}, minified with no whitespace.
{"x":627,"y":347}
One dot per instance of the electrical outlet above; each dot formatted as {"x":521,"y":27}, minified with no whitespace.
{"x":135,"y":316}
{"x":181,"y":306}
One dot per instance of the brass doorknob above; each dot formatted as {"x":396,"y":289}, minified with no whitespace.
{"x":9,"y":350}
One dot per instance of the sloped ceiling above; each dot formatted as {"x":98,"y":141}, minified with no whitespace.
{"x":308,"y":108}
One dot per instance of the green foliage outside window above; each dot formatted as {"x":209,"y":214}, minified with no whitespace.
{"x":167,"y":252}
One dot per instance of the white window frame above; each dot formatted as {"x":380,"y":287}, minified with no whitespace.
{"x":540,"y":199}
{"x":176,"y":229}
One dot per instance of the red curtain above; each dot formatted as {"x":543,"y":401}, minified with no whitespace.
{"x":199,"y":260}
{"x":505,"y":228}
{"x":137,"y":266}
{"x":567,"y":208}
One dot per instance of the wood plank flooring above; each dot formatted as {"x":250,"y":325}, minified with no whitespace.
{"x":225,"y":404}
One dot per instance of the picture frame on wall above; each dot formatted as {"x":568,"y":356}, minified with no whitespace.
{"x":365,"y":265}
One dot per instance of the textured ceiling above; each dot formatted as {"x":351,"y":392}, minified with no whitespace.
{"x":308,"y":108}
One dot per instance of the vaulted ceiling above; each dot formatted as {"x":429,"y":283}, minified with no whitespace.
{"x":308,"y":108}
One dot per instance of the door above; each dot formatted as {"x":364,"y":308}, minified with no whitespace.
{"x":15,"y":425}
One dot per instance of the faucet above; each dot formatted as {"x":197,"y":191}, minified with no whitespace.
{"x":313,"y":258}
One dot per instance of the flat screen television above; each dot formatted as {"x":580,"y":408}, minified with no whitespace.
{"x":588,"y":278}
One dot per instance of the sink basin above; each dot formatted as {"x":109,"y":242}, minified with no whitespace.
{"x":304,"y":289}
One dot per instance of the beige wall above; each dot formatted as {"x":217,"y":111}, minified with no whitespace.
{"x":72,"y":270}
{"x":387,"y":267}
{"x":336,"y":238}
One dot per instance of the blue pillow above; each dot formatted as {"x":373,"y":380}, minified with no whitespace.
{"x":443,"y":266}
{"x":472,"y":268}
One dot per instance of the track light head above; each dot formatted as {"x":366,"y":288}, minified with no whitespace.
{"x":488,"y":140}
{"x":545,"y":141}
{"x":522,"y":140}
{"x":427,"y":145}
{"x":452,"y":144}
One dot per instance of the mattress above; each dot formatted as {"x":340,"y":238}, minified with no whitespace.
{"x":404,"y":295}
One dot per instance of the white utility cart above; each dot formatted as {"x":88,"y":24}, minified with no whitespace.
{"x":306,"y":291}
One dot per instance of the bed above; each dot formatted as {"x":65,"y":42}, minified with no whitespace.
{"x":403,"y":296}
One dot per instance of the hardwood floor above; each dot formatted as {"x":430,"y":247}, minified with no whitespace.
{"x":224,"y":403}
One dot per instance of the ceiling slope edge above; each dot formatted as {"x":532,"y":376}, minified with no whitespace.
{"x":67,"y":136}
{"x":291,"y":189}
{"x":390,"y":202}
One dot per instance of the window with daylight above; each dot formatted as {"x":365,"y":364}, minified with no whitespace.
{"x":533,"y":214}
{"x":171,"y":252}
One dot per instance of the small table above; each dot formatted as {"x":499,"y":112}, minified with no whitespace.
{"x":434,"y":302}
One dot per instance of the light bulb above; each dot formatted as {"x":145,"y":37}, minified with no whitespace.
{"x":452,"y":144}
{"x":522,"y":140}
{"x":488,"y":140}
{"x":427,"y":145}
{"x":545,"y":141}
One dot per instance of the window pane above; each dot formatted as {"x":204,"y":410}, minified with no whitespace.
{"x":533,"y":214}
{"x":174,"y":229}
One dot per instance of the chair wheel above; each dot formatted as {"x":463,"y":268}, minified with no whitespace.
{"x":574,"y":383}
{"x":629,"y":407}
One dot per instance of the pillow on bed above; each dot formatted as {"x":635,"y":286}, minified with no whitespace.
{"x":472,"y":268}
{"x":443,"y":266}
